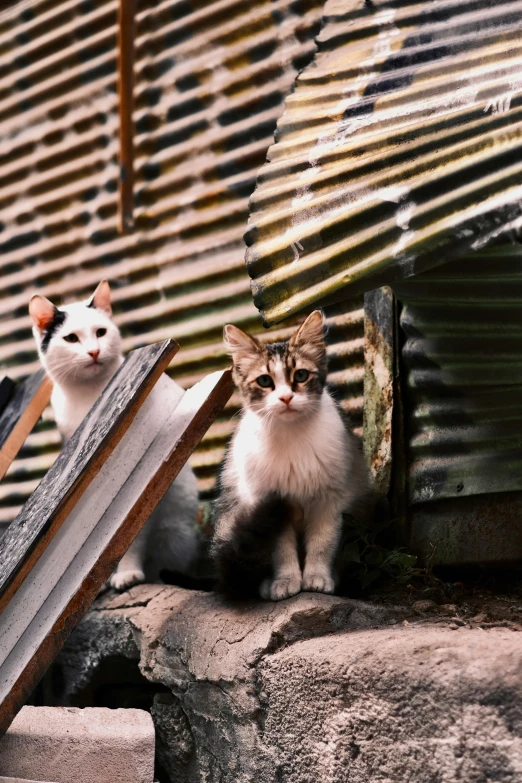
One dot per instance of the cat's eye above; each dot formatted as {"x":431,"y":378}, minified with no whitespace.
{"x":300,"y":376}
{"x":265,"y":381}
{"x":101,"y":332}
{"x":71,"y":338}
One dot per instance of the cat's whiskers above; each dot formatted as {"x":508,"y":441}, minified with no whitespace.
{"x":65,"y":371}
{"x":62,"y":370}
{"x":266,"y":416}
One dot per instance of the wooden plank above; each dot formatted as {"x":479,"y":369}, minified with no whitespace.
{"x":62,"y":584}
{"x":32,"y":530}
{"x":26,"y":405}
{"x":379,"y":308}
{"x":126,"y":36}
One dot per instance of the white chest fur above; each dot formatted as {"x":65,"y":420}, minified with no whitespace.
{"x":70,"y":409}
{"x":298,"y":459}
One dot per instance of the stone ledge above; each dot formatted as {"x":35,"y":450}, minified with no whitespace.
{"x":409,"y":705}
{"x":69,"y":745}
{"x":20,"y":780}
{"x":316,"y":688}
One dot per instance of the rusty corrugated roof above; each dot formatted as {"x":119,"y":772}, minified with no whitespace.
{"x":399,"y":148}
{"x":211,"y":81}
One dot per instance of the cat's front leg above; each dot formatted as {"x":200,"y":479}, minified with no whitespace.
{"x":130,"y":570}
{"x":287,"y":571}
{"x":322,"y":533}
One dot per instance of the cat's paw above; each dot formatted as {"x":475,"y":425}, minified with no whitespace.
{"x":278,"y":589}
{"x":122,"y":580}
{"x":318,"y":583}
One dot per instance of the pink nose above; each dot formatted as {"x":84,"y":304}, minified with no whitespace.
{"x":287,"y":398}
{"x":94,"y":354}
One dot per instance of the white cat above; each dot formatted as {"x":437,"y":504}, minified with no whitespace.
{"x":292,"y":468}
{"x":80,"y":347}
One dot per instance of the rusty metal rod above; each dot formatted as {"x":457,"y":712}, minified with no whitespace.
{"x":126,"y":36}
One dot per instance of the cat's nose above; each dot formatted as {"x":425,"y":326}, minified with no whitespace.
{"x":286,"y":398}
{"x":94,"y":353}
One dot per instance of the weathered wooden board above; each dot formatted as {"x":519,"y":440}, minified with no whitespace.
{"x":36,"y":524}
{"x":62,"y":583}
{"x":379,"y":385}
{"x":23,"y":407}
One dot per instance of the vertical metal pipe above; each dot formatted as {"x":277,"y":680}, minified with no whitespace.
{"x":126,"y":36}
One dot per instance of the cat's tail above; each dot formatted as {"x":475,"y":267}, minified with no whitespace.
{"x":244,"y":559}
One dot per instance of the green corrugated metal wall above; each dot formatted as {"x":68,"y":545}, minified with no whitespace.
{"x":462,"y":384}
{"x":463,"y":375}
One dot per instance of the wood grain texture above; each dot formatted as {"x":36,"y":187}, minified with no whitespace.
{"x":379,"y":385}
{"x":6,"y":390}
{"x":98,"y":531}
{"x":126,"y":36}
{"x":36,"y":524}
{"x":20,"y":415}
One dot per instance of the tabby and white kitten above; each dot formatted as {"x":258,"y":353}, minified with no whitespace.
{"x":80,"y":348}
{"x":292,"y":468}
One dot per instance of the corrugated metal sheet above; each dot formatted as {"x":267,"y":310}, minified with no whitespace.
{"x":211,"y":80}
{"x":400,"y":146}
{"x":463,"y":375}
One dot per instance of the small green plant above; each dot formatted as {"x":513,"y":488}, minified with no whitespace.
{"x":369,"y":551}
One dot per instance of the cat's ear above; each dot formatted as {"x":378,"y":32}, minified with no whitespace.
{"x":311,"y":334}
{"x":42,"y":312}
{"x":101,"y":298}
{"x":238,"y":343}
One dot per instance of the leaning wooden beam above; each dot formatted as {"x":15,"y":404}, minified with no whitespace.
{"x":126,"y":35}
{"x":54,"y":592}
{"x":33,"y":533}
{"x":20,"y":413}
{"x":59,"y":491}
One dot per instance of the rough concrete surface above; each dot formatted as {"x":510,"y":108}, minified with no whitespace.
{"x":68,"y":745}
{"x":316,"y":689}
{"x":19,"y":780}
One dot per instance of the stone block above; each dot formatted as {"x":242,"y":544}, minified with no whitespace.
{"x":315,"y":689}
{"x":20,"y":780}
{"x":70,"y":745}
